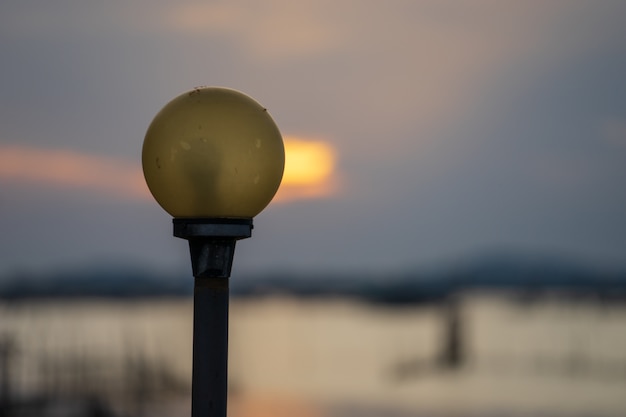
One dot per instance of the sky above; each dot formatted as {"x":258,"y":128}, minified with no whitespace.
{"x":426,"y":130}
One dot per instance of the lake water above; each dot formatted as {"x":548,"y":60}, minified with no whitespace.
{"x":483,"y":355}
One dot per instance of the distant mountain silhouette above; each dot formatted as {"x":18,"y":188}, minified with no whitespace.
{"x":527,"y":276}
{"x":95,"y":281}
{"x":524,"y":275}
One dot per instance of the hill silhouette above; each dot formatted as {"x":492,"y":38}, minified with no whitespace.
{"x":529,"y":276}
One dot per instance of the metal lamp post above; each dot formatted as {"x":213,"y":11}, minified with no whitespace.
{"x":213,"y":158}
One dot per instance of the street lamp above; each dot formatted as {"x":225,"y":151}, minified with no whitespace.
{"x":213,"y":158}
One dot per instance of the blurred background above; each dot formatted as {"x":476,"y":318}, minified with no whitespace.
{"x":449,"y":238}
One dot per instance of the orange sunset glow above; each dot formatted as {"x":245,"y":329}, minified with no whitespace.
{"x":309,"y":170}
{"x":71,"y":169}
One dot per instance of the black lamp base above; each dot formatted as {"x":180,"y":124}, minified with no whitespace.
{"x":212,"y":243}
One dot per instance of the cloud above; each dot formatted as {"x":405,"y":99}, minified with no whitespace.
{"x":270,"y":30}
{"x":407,"y":67}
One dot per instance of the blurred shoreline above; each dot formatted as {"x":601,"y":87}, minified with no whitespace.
{"x":527,"y":278}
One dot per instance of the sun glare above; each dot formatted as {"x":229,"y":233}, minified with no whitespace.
{"x":310,"y":169}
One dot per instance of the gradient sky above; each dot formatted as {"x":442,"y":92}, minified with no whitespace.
{"x":453,"y":128}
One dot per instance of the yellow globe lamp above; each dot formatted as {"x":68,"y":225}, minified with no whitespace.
{"x":213,"y":158}
{"x":213,"y":153}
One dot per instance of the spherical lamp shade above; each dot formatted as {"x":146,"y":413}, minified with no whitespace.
{"x":213,"y":153}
